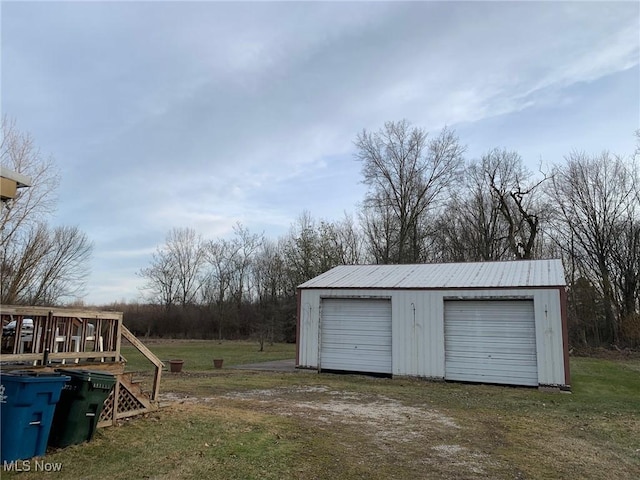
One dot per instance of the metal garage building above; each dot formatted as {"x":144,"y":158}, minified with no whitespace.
{"x":490,"y":322}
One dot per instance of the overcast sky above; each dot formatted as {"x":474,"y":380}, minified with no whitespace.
{"x":203,"y":114}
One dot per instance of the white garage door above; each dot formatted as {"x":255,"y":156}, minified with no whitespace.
{"x":490,"y":341}
{"x":356,"y":335}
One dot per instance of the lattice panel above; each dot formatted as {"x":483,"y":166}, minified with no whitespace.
{"x":127,"y":402}
{"x":107,"y":408}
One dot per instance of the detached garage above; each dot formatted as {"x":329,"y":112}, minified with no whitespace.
{"x":491,"y":322}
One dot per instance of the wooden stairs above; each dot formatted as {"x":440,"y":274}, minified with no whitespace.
{"x":127,"y":399}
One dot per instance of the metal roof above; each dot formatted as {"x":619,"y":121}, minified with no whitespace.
{"x":517,"y":273}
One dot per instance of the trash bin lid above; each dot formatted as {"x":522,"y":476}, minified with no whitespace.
{"x":33,"y":376}
{"x":84,"y":373}
{"x":103,"y":379}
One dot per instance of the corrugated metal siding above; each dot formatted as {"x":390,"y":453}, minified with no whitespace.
{"x":549,"y":338}
{"x":418,"y":348}
{"x":491,"y":341}
{"x":355,"y":334}
{"x":308,"y":340}
{"x":524,"y":273}
{"x":417,"y":339}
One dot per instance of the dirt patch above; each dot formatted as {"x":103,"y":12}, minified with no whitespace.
{"x":172,"y":397}
{"x":419,"y":435}
{"x":347,"y":407}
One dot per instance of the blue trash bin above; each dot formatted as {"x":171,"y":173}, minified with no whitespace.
{"x":27,"y":403}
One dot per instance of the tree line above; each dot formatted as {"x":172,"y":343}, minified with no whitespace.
{"x":425,"y":202}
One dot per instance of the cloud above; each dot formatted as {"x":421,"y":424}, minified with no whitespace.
{"x":203,"y":114}
{"x":125,"y":253}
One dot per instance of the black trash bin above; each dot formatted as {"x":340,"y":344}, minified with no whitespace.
{"x":78,"y":410}
{"x":27,"y":402}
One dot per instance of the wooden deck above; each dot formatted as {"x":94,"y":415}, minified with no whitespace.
{"x":49,"y":338}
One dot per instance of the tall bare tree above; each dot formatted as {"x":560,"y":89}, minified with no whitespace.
{"x":380,"y":227}
{"x":45,"y":266}
{"x":313,"y":247}
{"x":19,"y":153}
{"x":596,"y":218}
{"x":472,"y":227}
{"x":161,"y":279}
{"x":246,"y":246}
{"x":407,"y":175}
{"x":227,"y":278}
{"x":174,"y":274}
{"x":38,"y":265}
{"x":186,"y":249}
{"x":269,"y":278}
{"x":302,"y":251}
{"x":346,"y":240}
{"x":220,"y":270}
{"x":512,"y":186}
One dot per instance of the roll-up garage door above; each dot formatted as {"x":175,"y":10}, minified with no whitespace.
{"x":355,"y":335}
{"x":490,"y":341}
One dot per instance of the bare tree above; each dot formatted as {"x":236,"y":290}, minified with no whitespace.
{"x":246,"y":245}
{"x":313,"y":247}
{"x":161,"y":279}
{"x":31,"y":205}
{"x":221,"y":260}
{"x":63,"y":270}
{"x":269,"y":278}
{"x":228,"y":279}
{"x":407,"y":175}
{"x":174,"y":274}
{"x":511,"y":185}
{"x":625,"y":259}
{"x":380,"y":232}
{"x":471,"y":226}
{"x":596,"y":219}
{"x":347,"y":240}
{"x":185,"y":247}
{"x":301,"y":251}
{"x":38,"y":265}
{"x":43,"y":266}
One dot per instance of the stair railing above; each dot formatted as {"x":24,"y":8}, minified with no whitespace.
{"x":142,"y":348}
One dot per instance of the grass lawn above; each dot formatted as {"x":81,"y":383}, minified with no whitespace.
{"x":198,"y":355}
{"x":239,"y":424}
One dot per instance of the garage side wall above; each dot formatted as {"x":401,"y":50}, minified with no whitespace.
{"x":418,"y":327}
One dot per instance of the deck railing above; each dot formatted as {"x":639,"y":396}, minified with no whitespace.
{"x":45,"y":335}
{"x":48,"y":337}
